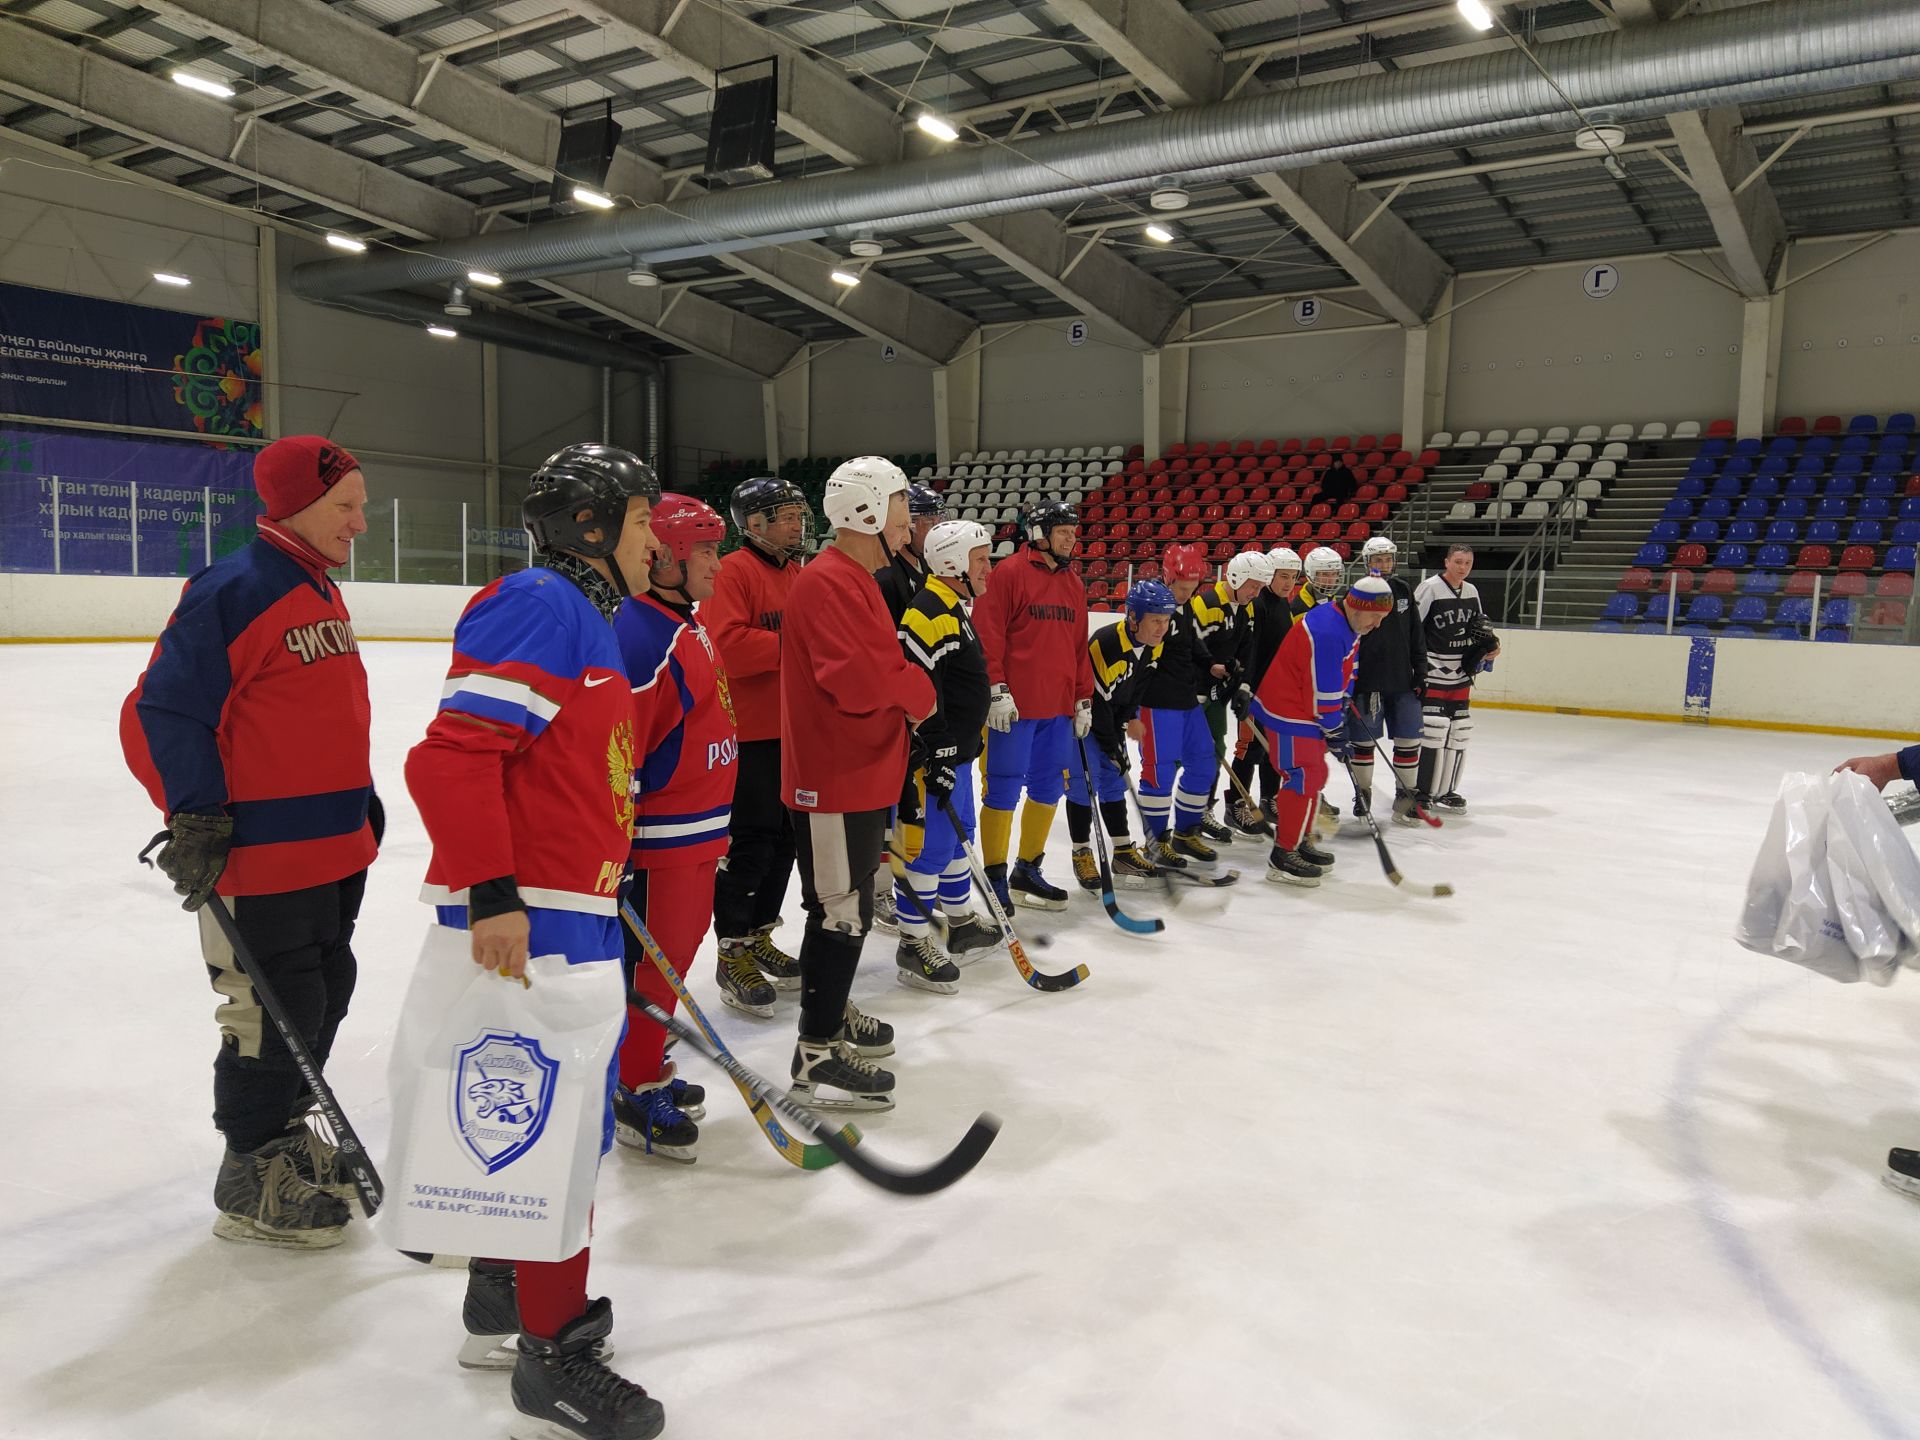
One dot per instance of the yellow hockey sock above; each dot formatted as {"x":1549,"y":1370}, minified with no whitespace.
{"x":1036,"y":820}
{"x":996,"y":828}
{"x":908,"y":844}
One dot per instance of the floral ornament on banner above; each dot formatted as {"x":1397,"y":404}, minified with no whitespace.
{"x":217,"y":380}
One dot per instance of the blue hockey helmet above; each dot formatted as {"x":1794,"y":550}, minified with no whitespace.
{"x":1150,"y":597}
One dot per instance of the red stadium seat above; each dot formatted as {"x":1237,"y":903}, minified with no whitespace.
{"x":1213,"y":514}
{"x":1828,"y":425}
{"x":1221,"y":447}
{"x":1801,"y":582}
{"x":1427,"y":457}
{"x":1682,"y":580}
{"x":1849,"y":586}
{"x":1348,"y":511}
{"x":1271,"y":462}
{"x":1299,"y":462}
{"x":1358,"y":530}
{"x":1690,"y":555}
{"x":1321,"y":461}
{"x":1720,"y":428}
{"x":1178,"y":447}
{"x":1793,"y":425}
{"x":1266,"y":513}
{"x":1858,"y":557}
{"x":1638,"y":578}
{"x":1302,"y":530}
{"x":1367,"y":493}
{"x":1243,"y":447}
{"x":1720,"y":582}
{"x":1317,"y":443}
{"x":1269,"y":447}
{"x":1290,"y":447}
{"x":1239,"y":512}
{"x":1377,"y":512}
{"x":1480,"y":490}
{"x":1893,"y":583}
{"x":1372,"y":458}
{"x":1813,"y":557}
{"x":1342,"y":549}
{"x":1340,"y":442}
{"x":1402,"y":457}
{"x":1320,"y":510}
{"x":1889,"y":613}
{"x":1329,"y":531}
{"x":1391,"y":440}
{"x":1412,"y":475}
{"x":1396,"y":494}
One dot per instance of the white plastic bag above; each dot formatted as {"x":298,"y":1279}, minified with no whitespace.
{"x":1835,"y":887}
{"x":500,"y":1104}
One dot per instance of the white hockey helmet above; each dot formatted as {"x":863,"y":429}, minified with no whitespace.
{"x":1284,"y":557}
{"x":950,"y":545}
{"x":1378,"y":545}
{"x":858,"y":492}
{"x":1249,"y":565}
{"x":1322,"y":561}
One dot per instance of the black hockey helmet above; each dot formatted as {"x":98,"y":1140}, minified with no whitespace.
{"x":762,"y":495}
{"x":923,"y":500}
{"x":598,"y":479}
{"x":1043,"y":515}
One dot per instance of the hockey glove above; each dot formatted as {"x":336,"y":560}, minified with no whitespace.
{"x":1082,"y":719}
{"x":1001,"y":711}
{"x":910,"y":811}
{"x":942,"y":776}
{"x":1116,"y":751}
{"x":195,"y":854}
{"x":1242,"y":702}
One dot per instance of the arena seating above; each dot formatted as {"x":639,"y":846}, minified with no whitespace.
{"x":994,"y":486}
{"x":1758,"y":527}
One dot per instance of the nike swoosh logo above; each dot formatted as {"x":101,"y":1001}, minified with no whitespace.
{"x":601,"y":681}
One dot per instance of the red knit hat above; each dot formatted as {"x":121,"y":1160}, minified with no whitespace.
{"x":297,"y":470}
{"x":1370,"y":592}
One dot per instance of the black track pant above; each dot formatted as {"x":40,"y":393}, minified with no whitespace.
{"x":751,"y":885}
{"x":838,"y":857}
{"x":302,"y":942}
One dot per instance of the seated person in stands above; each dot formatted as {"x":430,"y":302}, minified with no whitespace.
{"x":1340,"y":484}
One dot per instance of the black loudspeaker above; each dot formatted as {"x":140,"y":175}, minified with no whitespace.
{"x":586,"y":147}
{"x":745,"y":110}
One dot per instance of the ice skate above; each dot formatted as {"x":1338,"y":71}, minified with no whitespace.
{"x":647,"y":1120}
{"x":1289,"y":867}
{"x":920,"y":966}
{"x":691,"y":1099}
{"x":869,"y":1037}
{"x":741,"y":984}
{"x":1314,"y":855}
{"x":563,"y":1390}
{"x":773,"y":962}
{"x":997,"y":880}
{"x":1903,"y":1172}
{"x":1212,"y":831}
{"x":885,"y":920}
{"x":830,"y":1075}
{"x":263,"y":1201}
{"x":1086,"y":869}
{"x":1131,"y":868}
{"x":1191,"y":844}
{"x":1032,"y":889}
{"x":1161,"y":853}
{"x":1245,"y":819}
{"x":969,"y":937}
{"x":1453,"y":800}
{"x":317,"y":1159}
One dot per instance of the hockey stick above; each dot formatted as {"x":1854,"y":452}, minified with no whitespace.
{"x":353,"y":1154}
{"x":937,"y":1176}
{"x":1167,"y":874}
{"x":1400,"y":791}
{"x":1439,"y":891}
{"x":1129,"y":923}
{"x":1326,"y":821}
{"x":790,"y":1148}
{"x":1246,"y":797}
{"x":1038,"y":979}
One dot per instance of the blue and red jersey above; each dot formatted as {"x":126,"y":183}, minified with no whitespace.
{"x":527,"y":769}
{"x":254,"y":705}
{"x":1305,"y":689}
{"x":684,"y":735}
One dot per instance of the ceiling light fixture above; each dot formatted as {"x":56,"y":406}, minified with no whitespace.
{"x":866,"y":246}
{"x":443,"y":332}
{"x":346,"y":243}
{"x":1475,"y":13}
{"x":457,"y":303}
{"x":1599,"y":137}
{"x":201,"y":83}
{"x":940,"y":129}
{"x":844,"y":277}
{"x":484,"y":277}
{"x":642,"y":275}
{"x":591,"y":198}
{"x":167,"y":277}
{"x":1168,"y":197}
{"x":1158,"y":233}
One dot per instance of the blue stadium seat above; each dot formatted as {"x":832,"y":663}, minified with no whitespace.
{"x":1837,"y":612}
{"x":1875,"y":507}
{"x":1744,"y":531}
{"x":1899,"y":557}
{"x":1622,"y":607}
{"x":1856,"y":445}
{"x":1841,"y":484}
{"x":1667,"y":532}
{"x":1823,"y":532}
{"x":1702,"y":470}
{"x":1652,"y":556}
{"x":1704,"y":532}
{"x":1863,"y":425}
{"x":1690,"y":489}
{"x":1728,"y":487}
{"x":1776,"y":465}
{"x":1677,"y":509}
{"x":1836,"y":637}
{"x":1783,"y":532}
{"x":1865,"y":532}
{"x":1738,"y":632}
{"x":1807,"y":466}
{"x":1707,"y":610}
{"x":1787,"y":632}
{"x":1900,"y":422}
{"x":1740,"y":467}
{"x":1910,"y":508}
{"x":1833,"y":507}
{"x":1711,"y":449}
{"x":1764,"y":581}
{"x":1794,"y":507}
{"x":1850,"y":465}
{"x":1717,"y":507}
{"x":1907,"y":532}
{"x":1749,"y":610}
{"x":1657,"y":606}
{"x":1885,"y":467}
{"x":1766,"y":487}
{"x":1782,"y":445}
{"x":1746,"y":448}
{"x":1818,"y":445}
{"x":1752,"y":509}
{"x":1795,"y":610}
{"x":1901,"y":445}
{"x":1802,"y":486}
{"x":1730,"y":557}
{"x":1880,"y":485}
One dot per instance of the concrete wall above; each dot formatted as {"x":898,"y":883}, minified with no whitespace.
{"x":1302,"y":382}
{"x":710,"y":407}
{"x":864,"y":405}
{"x":1036,"y":389}
{"x":1852,"y":334}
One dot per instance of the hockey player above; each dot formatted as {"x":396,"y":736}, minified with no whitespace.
{"x":250,"y":730}
{"x":1032,"y":623}
{"x":1458,"y":640}
{"x":1177,"y":760}
{"x":524,"y":784}
{"x":939,"y":639}
{"x":742,"y":618}
{"x":1386,"y":699}
{"x":1248,"y":575}
{"x":847,"y":697}
{"x":1124,"y":655}
{"x":1272,"y":618}
{"x":1324,"y":571}
{"x":900,"y":580}
{"x":1299,"y":708}
{"x":684,"y":749}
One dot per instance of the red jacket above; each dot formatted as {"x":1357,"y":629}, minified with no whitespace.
{"x":743,"y":618}
{"x":254,"y":705}
{"x":527,"y":769}
{"x":846,"y":691}
{"x":1032,"y":624}
{"x":683,"y":735}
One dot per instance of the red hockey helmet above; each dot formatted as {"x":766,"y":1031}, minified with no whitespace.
{"x":681,"y":522}
{"x":1184,"y":562}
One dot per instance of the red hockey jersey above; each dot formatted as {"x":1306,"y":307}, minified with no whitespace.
{"x":1032,"y":624}
{"x":743,"y":617}
{"x":254,"y":705}
{"x":684,"y":736}
{"x":846,"y":691}
{"x":528,"y":768}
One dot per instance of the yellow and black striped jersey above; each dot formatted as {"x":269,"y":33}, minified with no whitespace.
{"x":1120,"y":667}
{"x":937,"y":636}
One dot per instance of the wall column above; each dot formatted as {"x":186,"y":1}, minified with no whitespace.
{"x":1760,"y":330}
{"x":1423,"y":382}
{"x":267,"y":281}
{"x":786,"y":411}
{"x":490,"y":431}
{"x":956,"y":404}
{"x":1163,"y":390}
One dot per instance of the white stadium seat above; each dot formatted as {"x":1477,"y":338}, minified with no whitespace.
{"x":1582,"y":451}
{"x":1462,"y":510}
{"x":1557,"y":435}
{"x":1654,"y":430}
{"x":1603,"y":470}
{"x":1566,"y":470}
{"x":1614,"y":451}
{"x":1497,"y":437}
{"x":1509,"y":456}
{"x":1530,"y":471}
{"x":1588,"y":432}
{"x":1550,"y":490}
{"x":1534,"y":510}
{"x":1620,"y":432}
{"x":1498,"y":510}
{"x":1440,"y":439}
{"x":1526,"y":435}
{"x":1543,"y":453}
{"x":1588,"y":489}
{"x":1687,"y":430}
{"x":1514,"y":490}
{"x":1495,"y":473}
{"x":1468,"y":437}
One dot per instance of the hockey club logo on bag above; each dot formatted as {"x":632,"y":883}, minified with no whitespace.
{"x":503,"y":1086}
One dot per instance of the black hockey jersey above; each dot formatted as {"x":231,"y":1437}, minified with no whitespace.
{"x":899,"y":580}
{"x":1449,"y":620}
{"x":1393,"y":658}
{"x":1179,"y":680}
{"x":1121,"y":667}
{"x":938,"y":637}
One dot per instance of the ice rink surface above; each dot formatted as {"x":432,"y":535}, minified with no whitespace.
{"x":1553,"y":1160}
